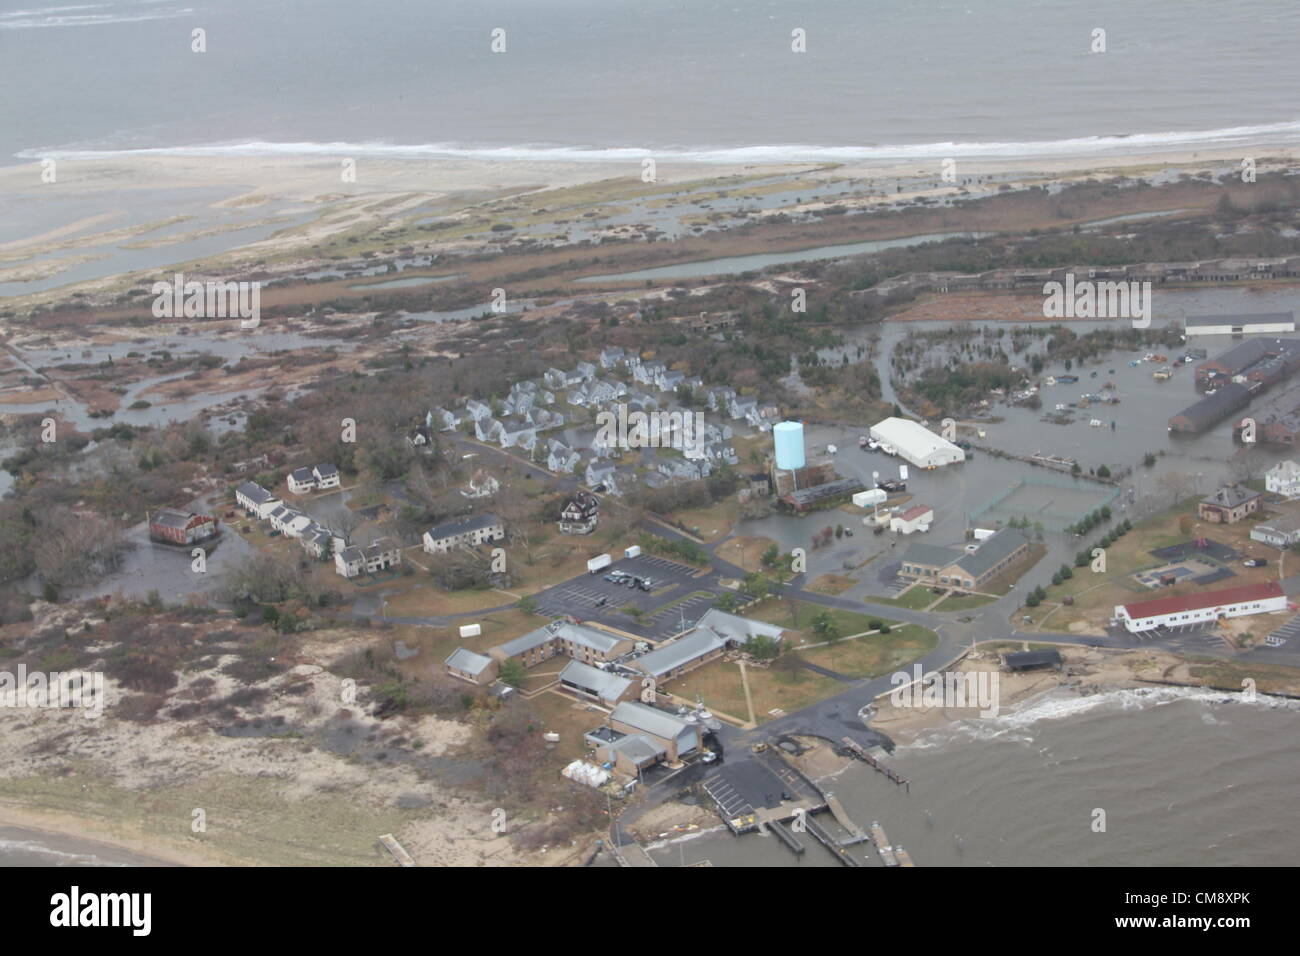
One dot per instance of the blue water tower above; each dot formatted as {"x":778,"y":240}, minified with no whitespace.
{"x":789,"y":445}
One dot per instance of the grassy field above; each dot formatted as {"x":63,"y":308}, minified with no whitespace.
{"x":916,"y":598}
{"x":964,"y":602}
{"x":875,"y":654}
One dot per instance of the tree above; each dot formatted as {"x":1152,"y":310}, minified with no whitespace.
{"x":727,"y":601}
{"x":762,"y":647}
{"x":755,"y":586}
{"x":512,"y":673}
{"x":771,"y":555}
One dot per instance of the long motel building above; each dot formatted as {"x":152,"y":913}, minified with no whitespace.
{"x":1143,"y":616}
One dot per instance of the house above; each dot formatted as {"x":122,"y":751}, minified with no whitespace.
{"x":297,"y":525}
{"x":381,"y":554}
{"x":1229,"y":504}
{"x":1282,"y":531}
{"x":327,"y":476}
{"x":477,"y":410}
{"x":1201,"y":607}
{"x":585,"y":371}
{"x":282,"y":516}
{"x":442,"y":420}
{"x":580,"y":514}
{"x":481,"y":485}
{"x":173,"y":526}
{"x":463,"y":532}
{"x":420,"y":437}
{"x":468,"y":666}
{"x":721,"y":453}
{"x":1283,"y":479}
{"x":611,"y":356}
{"x":599,"y":473}
{"x":561,"y":458}
{"x":319,"y":541}
{"x":516,"y":433}
{"x":916,"y":518}
{"x":933,"y":564}
{"x":487,"y":429}
{"x":676,"y":736}
{"x":301,"y":480}
{"x":587,"y":681}
{"x":255,"y":499}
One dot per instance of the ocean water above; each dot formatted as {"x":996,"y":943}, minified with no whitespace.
{"x":1185,"y":778}
{"x":600,"y":79}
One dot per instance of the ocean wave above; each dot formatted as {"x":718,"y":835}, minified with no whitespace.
{"x":72,"y":15}
{"x":1273,"y":134}
{"x":1060,"y":704}
{"x":56,"y":857}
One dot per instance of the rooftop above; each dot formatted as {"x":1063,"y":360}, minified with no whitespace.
{"x":1195,"y":602}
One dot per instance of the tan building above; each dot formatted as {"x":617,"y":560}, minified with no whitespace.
{"x":1229,"y":504}
{"x":934,"y":564}
{"x":468,"y":666}
{"x":578,"y":641}
{"x":676,"y":736}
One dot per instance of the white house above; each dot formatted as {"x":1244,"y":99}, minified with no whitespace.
{"x":481,"y":485}
{"x":463,"y":532}
{"x":561,"y":458}
{"x":1283,"y":479}
{"x":381,"y":554}
{"x":327,"y":476}
{"x":1282,"y":531}
{"x":301,"y":480}
{"x":255,"y":499}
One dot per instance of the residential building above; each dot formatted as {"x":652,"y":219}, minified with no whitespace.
{"x":327,"y":476}
{"x":465,"y":532}
{"x":380,"y":555}
{"x":1282,"y":531}
{"x":580,"y":514}
{"x":255,"y":499}
{"x":1201,"y":607}
{"x":301,"y":480}
{"x":1283,"y":479}
{"x":1229,"y":504}
{"x":481,"y":485}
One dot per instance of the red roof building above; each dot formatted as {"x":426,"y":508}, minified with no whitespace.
{"x":1205,"y":606}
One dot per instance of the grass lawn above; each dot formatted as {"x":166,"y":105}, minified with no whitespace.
{"x":718,"y":684}
{"x":916,"y":598}
{"x":964,"y":602}
{"x":745,"y":550}
{"x":875,"y":654}
{"x":832,"y":584}
{"x":713,"y":523}
{"x":1269,"y":678}
{"x":435,"y":644}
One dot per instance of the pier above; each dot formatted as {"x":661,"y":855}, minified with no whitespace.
{"x":858,"y":751}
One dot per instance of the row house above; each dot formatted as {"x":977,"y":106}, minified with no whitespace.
{"x":721,"y":453}
{"x":544,"y":419}
{"x":487,"y":429}
{"x":380,"y":555}
{"x":256,"y":500}
{"x":647,"y":373}
{"x":465,"y":532}
{"x":612,"y":356}
{"x":478,"y":410}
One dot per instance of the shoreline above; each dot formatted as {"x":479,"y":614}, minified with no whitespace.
{"x":80,"y":835}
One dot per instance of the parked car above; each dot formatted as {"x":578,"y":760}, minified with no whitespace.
{"x":1256,"y":562}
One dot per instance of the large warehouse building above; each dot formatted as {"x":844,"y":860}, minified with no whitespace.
{"x":916,"y":444}
{"x":1198,"y":608}
{"x":1256,"y":322}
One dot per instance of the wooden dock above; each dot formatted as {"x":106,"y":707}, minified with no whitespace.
{"x":857,"y":750}
{"x":399,"y":854}
{"x":903,"y":858}
{"x":887,"y":855}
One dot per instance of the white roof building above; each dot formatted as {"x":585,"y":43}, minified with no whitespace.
{"x":916,"y":443}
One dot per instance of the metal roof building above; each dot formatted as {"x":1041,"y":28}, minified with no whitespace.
{"x":593,"y":682}
{"x":916,"y":443}
{"x":1265,"y":322}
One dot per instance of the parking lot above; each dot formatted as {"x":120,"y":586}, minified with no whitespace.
{"x":671,"y":599}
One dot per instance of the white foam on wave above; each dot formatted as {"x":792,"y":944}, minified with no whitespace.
{"x":57,"y":857}
{"x":74,"y":15}
{"x":1060,"y":704}
{"x":1274,"y":134}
